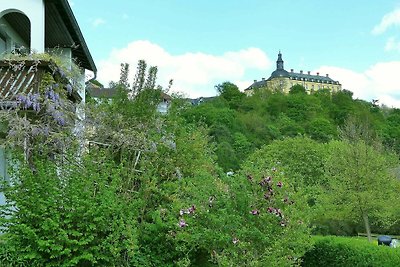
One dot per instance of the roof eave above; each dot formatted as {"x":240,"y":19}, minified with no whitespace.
{"x":76,"y":33}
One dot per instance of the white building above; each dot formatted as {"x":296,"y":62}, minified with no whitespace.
{"x":41,"y":26}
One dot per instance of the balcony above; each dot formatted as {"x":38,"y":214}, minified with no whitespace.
{"x":22,"y":77}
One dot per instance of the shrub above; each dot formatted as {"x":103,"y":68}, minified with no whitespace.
{"x":342,"y":251}
{"x":67,"y":215}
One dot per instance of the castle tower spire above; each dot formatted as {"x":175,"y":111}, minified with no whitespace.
{"x":279,"y":62}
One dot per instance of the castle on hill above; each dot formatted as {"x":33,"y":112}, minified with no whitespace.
{"x":282,"y":80}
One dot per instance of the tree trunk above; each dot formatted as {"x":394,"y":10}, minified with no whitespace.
{"x":367,"y":228}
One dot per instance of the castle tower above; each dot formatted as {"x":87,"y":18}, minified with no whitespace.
{"x":279,"y":62}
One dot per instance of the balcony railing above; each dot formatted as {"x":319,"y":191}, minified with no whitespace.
{"x":22,"y":77}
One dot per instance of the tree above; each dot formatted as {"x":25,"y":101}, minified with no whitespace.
{"x":230,"y":92}
{"x":321,"y":129}
{"x":297,"y":89}
{"x":361,"y":183}
{"x":301,"y":158}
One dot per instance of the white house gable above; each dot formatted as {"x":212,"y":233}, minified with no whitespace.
{"x":22,"y":23}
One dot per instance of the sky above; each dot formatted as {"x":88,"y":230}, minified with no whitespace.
{"x":200,"y":44}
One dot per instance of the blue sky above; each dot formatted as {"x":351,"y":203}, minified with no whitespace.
{"x":202,"y":43}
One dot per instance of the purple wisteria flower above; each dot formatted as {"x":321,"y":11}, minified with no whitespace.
{"x":36,"y":131}
{"x":29,"y":101}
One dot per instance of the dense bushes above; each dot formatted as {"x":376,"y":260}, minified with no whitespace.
{"x":266,"y":116}
{"x":70,"y":214}
{"x":341,"y":251}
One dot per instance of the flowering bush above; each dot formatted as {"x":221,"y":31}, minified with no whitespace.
{"x":43,"y":118}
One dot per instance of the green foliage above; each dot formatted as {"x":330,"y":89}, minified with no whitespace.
{"x":266,"y":116}
{"x":341,"y":251}
{"x":322,"y":130}
{"x":69,"y":215}
{"x":297,"y":89}
{"x":391,"y":130}
{"x":361,"y":184}
{"x":227,"y":156}
{"x":150,"y":190}
{"x":301,"y":158}
{"x":275,"y":231}
{"x":230,"y":92}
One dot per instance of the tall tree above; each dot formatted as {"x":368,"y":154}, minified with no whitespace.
{"x":361,"y":182}
{"x":140,"y":78}
{"x":230,"y":92}
{"x":124,"y":75}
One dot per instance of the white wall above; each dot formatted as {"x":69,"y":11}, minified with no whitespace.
{"x":10,"y":35}
{"x":34,"y":10}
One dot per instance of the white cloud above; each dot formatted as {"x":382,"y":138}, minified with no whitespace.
{"x":98,"y":21}
{"x":379,"y":81}
{"x":392,"y":44}
{"x":194,"y":74}
{"x":388,"y":20}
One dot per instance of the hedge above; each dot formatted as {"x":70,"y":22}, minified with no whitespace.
{"x":347,"y":251}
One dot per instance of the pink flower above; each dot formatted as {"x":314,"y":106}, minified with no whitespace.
{"x":192,"y":209}
{"x":266,"y":181}
{"x":279,"y":184}
{"x":182,"y":223}
{"x":255,"y":212}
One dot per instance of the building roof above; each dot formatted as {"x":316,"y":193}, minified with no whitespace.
{"x":279,"y":73}
{"x":99,"y":92}
{"x":96,"y":91}
{"x":61,"y":30}
{"x":198,"y":101}
{"x":60,"y":9}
